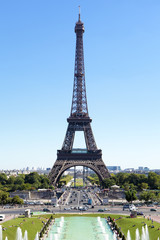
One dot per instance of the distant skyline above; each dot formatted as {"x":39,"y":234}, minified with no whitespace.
{"x":122,"y":58}
{"x":28,"y":168}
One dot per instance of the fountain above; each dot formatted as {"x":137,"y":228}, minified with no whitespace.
{"x":103,"y":229}
{"x":137,"y":234}
{"x":55,"y":236}
{"x":146,"y":232}
{"x":19,"y":234}
{"x":25,"y":235}
{"x":58,"y":229}
{"x":0,"y":232}
{"x":101,"y":225}
{"x":6,"y":238}
{"x":61,"y":223}
{"x":144,"y":235}
{"x":128,"y":235}
{"x":106,"y":236}
{"x":115,"y":237}
{"x":37,"y":236}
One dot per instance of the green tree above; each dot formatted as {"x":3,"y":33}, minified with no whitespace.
{"x":153,"y":180}
{"x":147,"y":196}
{"x":4,"y":197}
{"x":11,"y":180}
{"x":17,"y":200}
{"x":32,"y":178}
{"x":108,"y":182}
{"x":3,"y":178}
{"x":131,"y":195}
{"x":133,"y":179}
{"x":19,"y":180}
{"x":143,"y":186}
{"x":121,"y":178}
{"x":26,"y":186}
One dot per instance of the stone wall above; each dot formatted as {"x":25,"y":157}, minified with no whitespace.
{"x":34,"y":195}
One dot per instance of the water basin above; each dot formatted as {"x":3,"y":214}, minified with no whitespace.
{"x":78,"y":228}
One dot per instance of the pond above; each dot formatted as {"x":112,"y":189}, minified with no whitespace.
{"x":80,"y":228}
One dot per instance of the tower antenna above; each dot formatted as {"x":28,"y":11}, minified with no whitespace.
{"x":79,"y":13}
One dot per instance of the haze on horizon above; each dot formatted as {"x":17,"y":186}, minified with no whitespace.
{"x":122,"y":56}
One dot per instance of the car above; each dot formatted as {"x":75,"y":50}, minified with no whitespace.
{"x":67,"y":209}
{"x":7,"y":206}
{"x":2,"y":217}
{"x":153,"y":210}
{"x":83,"y":209}
{"x":46,"y":210}
{"x":106,"y":209}
{"x":126,"y":207}
{"x":100,"y":210}
{"x":140,"y":213}
{"x":80,"y":208}
{"x":132,"y":208}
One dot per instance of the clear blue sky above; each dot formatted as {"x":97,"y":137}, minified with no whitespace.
{"x":122,"y":65}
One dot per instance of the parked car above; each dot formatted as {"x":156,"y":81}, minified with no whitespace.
{"x":100,"y":210}
{"x":126,"y":207}
{"x":2,"y":217}
{"x":46,"y":210}
{"x":106,"y":209}
{"x":67,"y":209}
{"x":153,"y":210}
{"x":130,"y":207}
{"x":140,"y":213}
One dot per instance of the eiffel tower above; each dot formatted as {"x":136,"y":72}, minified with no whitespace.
{"x":79,"y":120}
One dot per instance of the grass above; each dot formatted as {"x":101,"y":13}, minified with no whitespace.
{"x":34,"y":224}
{"x":133,"y":223}
{"x":79,"y":182}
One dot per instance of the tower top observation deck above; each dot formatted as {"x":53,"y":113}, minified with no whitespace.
{"x":79,"y":25}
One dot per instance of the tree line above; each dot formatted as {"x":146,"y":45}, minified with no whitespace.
{"x":136,"y":186}
{"x":21,"y":182}
{"x":133,"y":180}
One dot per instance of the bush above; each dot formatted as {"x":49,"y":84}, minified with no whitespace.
{"x":120,"y":235}
{"x":123,"y":238}
{"x":116,"y":227}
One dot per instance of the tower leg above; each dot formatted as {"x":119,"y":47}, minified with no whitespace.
{"x":74,"y":176}
{"x":83,"y":176}
{"x":86,"y":176}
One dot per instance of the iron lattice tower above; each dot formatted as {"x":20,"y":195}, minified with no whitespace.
{"x":79,"y":120}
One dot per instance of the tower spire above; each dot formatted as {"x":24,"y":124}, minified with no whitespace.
{"x":79,"y":19}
